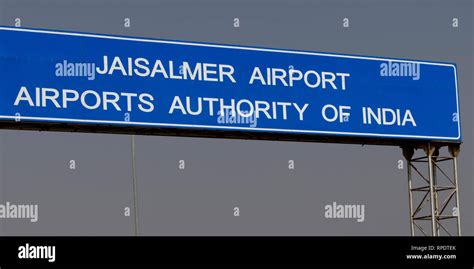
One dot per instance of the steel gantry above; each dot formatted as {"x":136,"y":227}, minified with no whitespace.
{"x":433,"y":190}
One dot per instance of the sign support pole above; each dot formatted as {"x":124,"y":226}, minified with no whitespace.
{"x":408,"y":154}
{"x":429,"y":150}
{"x":135,"y":189}
{"x":435,"y":187}
{"x":454,"y":151}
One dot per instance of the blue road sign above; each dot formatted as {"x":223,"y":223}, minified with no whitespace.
{"x":79,"y":78}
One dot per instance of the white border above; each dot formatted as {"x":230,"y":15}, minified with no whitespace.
{"x":238,"y":48}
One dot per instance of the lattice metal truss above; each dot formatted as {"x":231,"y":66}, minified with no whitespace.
{"x":433,"y":191}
